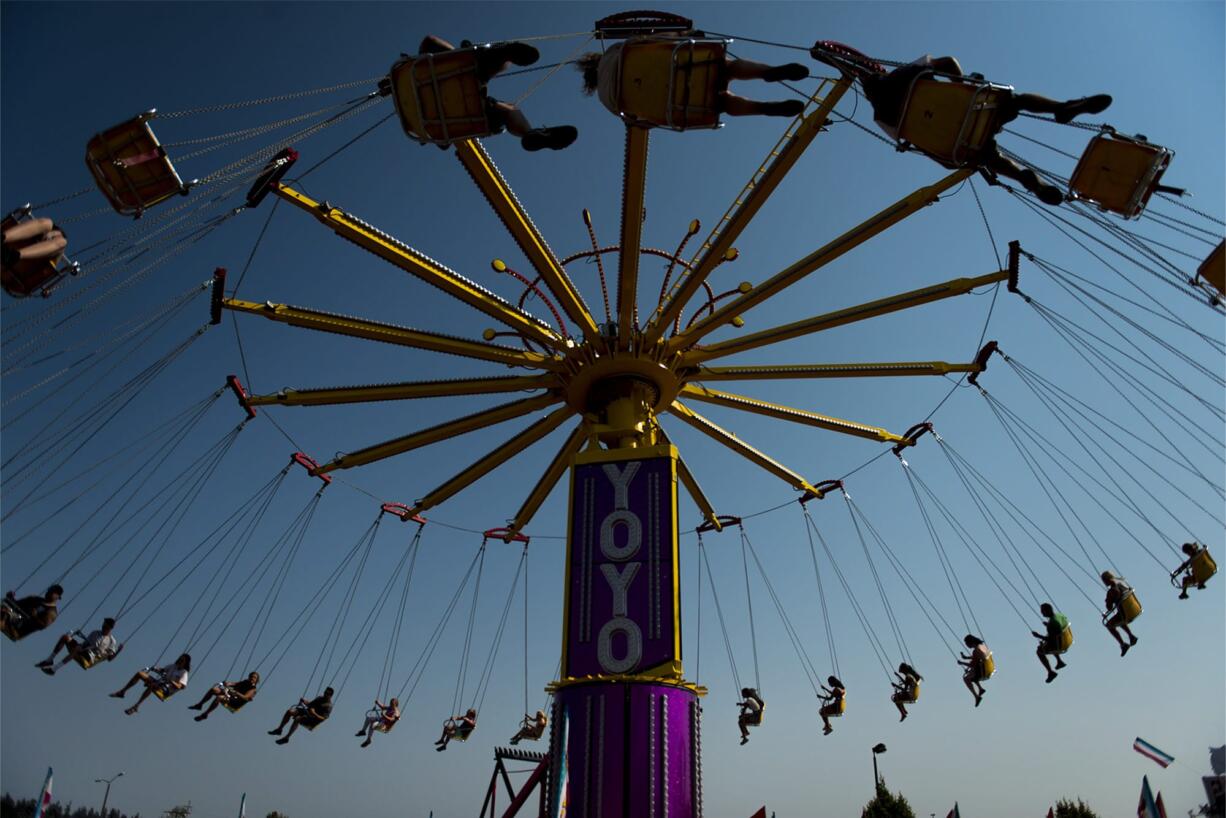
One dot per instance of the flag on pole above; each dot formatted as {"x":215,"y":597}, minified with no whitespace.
{"x":44,"y":800}
{"x":953,"y":813}
{"x":1147,"y":808}
{"x":1051,"y":812}
{"x":1152,"y":753}
{"x":242,"y":807}
{"x":1161,"y":806}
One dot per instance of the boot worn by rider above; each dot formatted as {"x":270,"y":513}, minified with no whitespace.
{"x":792,"y":72}
{"x":1095,"y":104}
{"x":555,"y":138}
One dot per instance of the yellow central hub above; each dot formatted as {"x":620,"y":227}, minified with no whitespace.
{"x":621,"y":393}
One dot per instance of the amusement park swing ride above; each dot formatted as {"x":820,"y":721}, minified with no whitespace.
{"x":625,"y":726}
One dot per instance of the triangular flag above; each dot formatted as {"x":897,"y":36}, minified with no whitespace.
{"x":953,"y":813}
{"x":44,"y":800}
{"x":1051,"y":812}
{"x":1161,"y":807}
{"x":1146,"y":808}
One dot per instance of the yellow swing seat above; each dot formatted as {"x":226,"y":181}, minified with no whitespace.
{"x":1066,"y":641}
{"x":382,"y":725}
{"x":988,"y":669}
{"x":88,"y":658}
{"x":14,"y":621}
{"x":1119,"y":173}
{"x":672,"y":83}
{"x":234,"y":703}
{"x":1213,"y":269}
{"x":462,"y":731}
{"x":952,"y":121}
{"x":1202,"y":567}
{"x":440,"y":97}
{"x":1129,"y":608}
{"x":164,"y":690}
{"x":755,"y":719}
{"x":835,"y":710}
{"x":131,"y":168}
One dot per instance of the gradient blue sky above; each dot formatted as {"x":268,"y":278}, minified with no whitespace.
{"x":68,"y":70}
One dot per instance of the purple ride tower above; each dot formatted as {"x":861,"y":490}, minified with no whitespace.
{"x":626,"y":730}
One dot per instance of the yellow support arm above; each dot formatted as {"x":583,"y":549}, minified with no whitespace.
{"x":506,"y":205}
{"x":427,"y":269}
{"x":744,"y":449}
{"x":405,"y":391}
{"x":557,"y":467}
{"x":695,"y":490}
{"x":793,"y":371}
{"x":819,"y":258}
{"x":392,"y":334}
{"x":633,"y":191}
{"x":493,"y":460}
{"x":443,"y":431}
{"x":774,"y":410}
{"x":860,"y":312}
{"x":763,"y":183}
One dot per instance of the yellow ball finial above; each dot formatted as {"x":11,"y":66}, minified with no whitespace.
{"x":489,"y":335}
{"x":731,"y":254}
{"x":499,"y":265}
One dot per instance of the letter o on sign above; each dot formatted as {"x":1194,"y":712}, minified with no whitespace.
{"x":634,"y":645}
{"x":634,"y":534}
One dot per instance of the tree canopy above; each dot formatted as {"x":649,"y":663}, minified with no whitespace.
{"x":886,"y":804}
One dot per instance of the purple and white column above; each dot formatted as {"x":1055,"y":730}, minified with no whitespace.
{"x":626,"y":735}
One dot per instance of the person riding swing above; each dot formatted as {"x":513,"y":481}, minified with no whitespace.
{"x":457,"y":727}
{"x":752,"y":706}
{"x":21,"y":617}
{"x":98,"y":646}
{"x":979,"y":666}
{"x":835,"y":698}
{"x":1196,"y":569}
{"x":162,"y":682}
{"x":306,"y":714}
{"x":906,"y":689}
{"x":231,"y":695}
{"x":1117,"y":617}
{"x":531,"y":728}
{"x":1055,"y":641}
{"x":381,"y":717}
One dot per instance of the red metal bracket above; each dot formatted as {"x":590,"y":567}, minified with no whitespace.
{"x":403,"y":512}
{"x":310,"y":465}
{"x":243,"y":398}
{"x":639,"y":23}
{"x":506,"y":535}
{"x":1015,"y":252}
{"x":725,"y":520}
{"x":823,"y":488}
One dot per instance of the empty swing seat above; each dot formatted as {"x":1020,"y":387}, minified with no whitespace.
{"x":1119,"y":173}
{"x":131,"y":168}
{"x":1213,"y":269}
{"x":440,"y":97}
{"x":952,"y":121}
{"x":671,"y":83}
{"x":33,"y":249}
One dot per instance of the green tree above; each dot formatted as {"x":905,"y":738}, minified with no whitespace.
{"x":886,"y":804}
{"x":1067,"y":809}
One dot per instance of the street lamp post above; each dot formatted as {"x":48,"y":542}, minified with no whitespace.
{"x":107,"y":794}
{"x":878,"y":749}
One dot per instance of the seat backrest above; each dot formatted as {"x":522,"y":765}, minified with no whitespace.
{"x":440,"y":97}
{"x":988,"y":668}
{"x":1213,"y":268}
{"x":671,"y":82}
{"x":1118,"y":173}
{"x":1202,"y":566}
{"x":1066,"y":639}
{"x":952,"y":121}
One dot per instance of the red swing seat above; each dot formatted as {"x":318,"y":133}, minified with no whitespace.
{"x":131,"y":168}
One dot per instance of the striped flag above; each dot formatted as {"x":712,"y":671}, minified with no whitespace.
{"x":1147,"y":808}
{"x":44,"y":800}
{"x":1152,"y":753}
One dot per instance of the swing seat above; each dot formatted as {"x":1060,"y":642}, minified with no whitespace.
{"x":833,"y":710}
{"x":755,"y":719}
{"x":531,"y":730}
{"x":382,"y":725}
{"x":461,"y":730}
{"x":440,"y":97}
{"x":14,"y":622}
{"x":1212,"y":270}
{"x":953,"y":122}
{"x":988,"y":669}
{"x":234,"y":703}
{"x":1202,"y":567}
{"x":672,"y":83}
{"x":89,"y":657}
{"x":1119,"y":173}
{"x":1066,"y":642}
{"x":164,"y":690}
{"x":33,"y":249}
{"x":910,"y":695}
{"x":1129,"y":608}
{"x":131,"y":168}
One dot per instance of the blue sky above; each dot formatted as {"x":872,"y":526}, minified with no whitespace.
{"x":69,"y":70}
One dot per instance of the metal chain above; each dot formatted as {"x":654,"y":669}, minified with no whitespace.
{"x":1175,"y":201}
{"x":230,"y":106}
